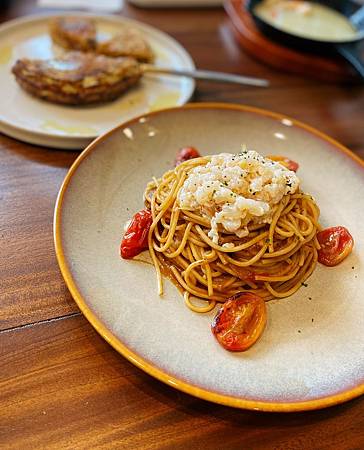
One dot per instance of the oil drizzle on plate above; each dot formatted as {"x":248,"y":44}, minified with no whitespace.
{"x":162,"y":57}
{"x":52,"y":125}
{"x":6,"y":54}
{"x":132,"y":100}
{"x":164,"y":100}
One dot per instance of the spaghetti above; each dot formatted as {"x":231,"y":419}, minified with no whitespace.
{"x":270,"y":258}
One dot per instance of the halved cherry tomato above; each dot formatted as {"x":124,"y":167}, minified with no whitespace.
{"x":336,"y":244}
{"x":286,"y":162}
{"x":185,"y":154}
{"x":240,"y":321}
{"x":135,"y":239}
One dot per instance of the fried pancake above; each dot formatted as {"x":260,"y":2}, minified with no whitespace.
{"x":75,"y":33}
{"x":128,"y":42}
{"x":79,"y":33}
{"x":77,"y":78}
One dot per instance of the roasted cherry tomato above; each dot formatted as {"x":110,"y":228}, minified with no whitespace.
{"x":240,"y":321}
{"x":185,"y":154}
{"x":336,"y":244}
{"x":135,"y":239}
{"x":286,"y":162}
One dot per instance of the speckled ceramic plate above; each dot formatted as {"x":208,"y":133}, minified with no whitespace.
{"x":311,"y":354}
{"x":39,"y":122}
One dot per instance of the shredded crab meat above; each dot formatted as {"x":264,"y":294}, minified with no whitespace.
{"x":233,"y":191}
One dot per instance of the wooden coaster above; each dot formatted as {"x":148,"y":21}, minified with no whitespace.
{"x":280,"y":57}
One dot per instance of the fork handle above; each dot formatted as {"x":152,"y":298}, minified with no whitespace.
{"x":207,"y":75}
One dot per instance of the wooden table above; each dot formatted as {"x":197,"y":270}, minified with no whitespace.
{"x":61,"y":385}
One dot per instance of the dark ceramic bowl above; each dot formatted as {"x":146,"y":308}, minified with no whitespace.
{"x":350,"y":50}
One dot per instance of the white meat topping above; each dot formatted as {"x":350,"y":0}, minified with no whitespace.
{"x":234,"y":191}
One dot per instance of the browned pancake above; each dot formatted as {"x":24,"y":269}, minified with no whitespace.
{"x":77,"y":78}
{"x":79,"y":33}
{"x":128,"y":42}
{"x":75,"y":33}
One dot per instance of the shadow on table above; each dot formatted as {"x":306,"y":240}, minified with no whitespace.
{"x":194,"y":406}
{"x":225,"y":427}
{"x":42,"y":155}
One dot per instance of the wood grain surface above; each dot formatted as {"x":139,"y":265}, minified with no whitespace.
{"x":61,"y":385}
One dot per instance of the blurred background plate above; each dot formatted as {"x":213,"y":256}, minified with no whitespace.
{"x":43,"y":123}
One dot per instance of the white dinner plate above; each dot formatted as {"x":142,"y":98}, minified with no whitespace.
{"x":311,"y":354}
{"x":39,"y":122}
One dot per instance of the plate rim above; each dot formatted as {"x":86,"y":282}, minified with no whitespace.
{"x":73,"y":142}
{"x":134,"y":358}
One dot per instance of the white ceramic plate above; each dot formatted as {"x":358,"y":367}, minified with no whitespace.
{"x":35,"y":121}
{"x":311,"y":354}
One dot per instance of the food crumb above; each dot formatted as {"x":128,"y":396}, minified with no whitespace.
{"x":304,"y":284}
{"x":312,"y":319}
{"x":353,"y":267}
{"x":299,"y":331}
{"x":310,"y":298}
